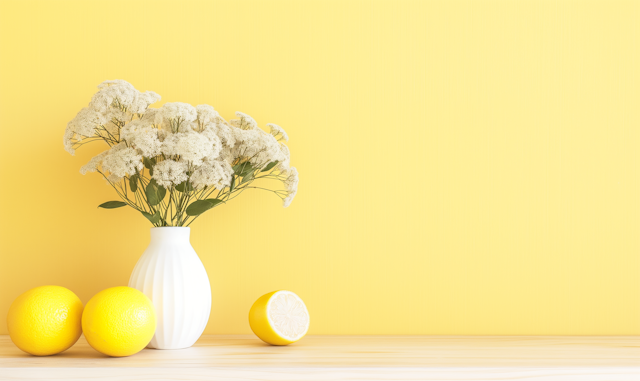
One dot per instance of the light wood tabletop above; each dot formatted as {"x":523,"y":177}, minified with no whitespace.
{"x":243,"y":357}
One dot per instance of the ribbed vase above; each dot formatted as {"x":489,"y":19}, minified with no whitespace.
{"x":171,"y":274}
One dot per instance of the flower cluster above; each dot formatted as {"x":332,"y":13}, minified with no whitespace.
{"x":174,"y":162}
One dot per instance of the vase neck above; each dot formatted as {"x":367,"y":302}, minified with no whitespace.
{"x":170,"y":234}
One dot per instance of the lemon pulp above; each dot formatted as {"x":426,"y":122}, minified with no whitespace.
{"x":279,"y":318}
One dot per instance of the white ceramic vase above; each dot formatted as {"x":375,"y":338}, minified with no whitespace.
{"x":171,"y":274}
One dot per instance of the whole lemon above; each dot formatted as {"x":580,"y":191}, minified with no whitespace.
{"x":45,"y":320}
{"x":279,"y":318}
{"x":119,"y":321}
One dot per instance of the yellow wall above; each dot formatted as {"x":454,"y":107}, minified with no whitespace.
{"x":467,"y":167}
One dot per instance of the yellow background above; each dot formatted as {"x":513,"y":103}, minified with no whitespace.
{"x":467,"y":167}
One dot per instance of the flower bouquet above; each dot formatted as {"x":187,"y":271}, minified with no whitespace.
{"x":172,"y":164}
{"x":175,"y":162}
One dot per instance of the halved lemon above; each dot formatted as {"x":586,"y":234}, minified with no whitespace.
{"x":279,"y":318}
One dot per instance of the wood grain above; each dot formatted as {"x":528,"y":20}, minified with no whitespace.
{"x":591,"y":358}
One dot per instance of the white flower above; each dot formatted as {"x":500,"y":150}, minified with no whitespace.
{"x":142,"y":136}
{"x":112,"y":128}
{"x":170,"y":172}
{"x":276,"y":130}
{"x":217,"y":173}
{"x":289,"y":199}
{"x":173,"y":116}
{"x":121,"y":161}
{"x":147,"y":142}
{"x":86,"y":121}
{"x":257,"y":146}
{"x":191,"y":146}
{"x":222,"y":132}
{"x":82,"y":126}
{"x":117,"y":114}
{"x":127,"y":132}
{"x":150,"y":115}
{"x":291,"y":186}
{"x":114,"y":178}
{"x":142,"y":101}
{"x":226,"y":154}
{"x":283,"y":158}
{"x":206,"y":114}
{"x":118,"y":91}
{"x":94,"y":163}
{"x":67,"y":139}
{"x":245,"y":122}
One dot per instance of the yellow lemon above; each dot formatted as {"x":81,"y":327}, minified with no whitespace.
{"x":45,"y":320}
{"x":119,"y":321}
{"x":279,"y":318}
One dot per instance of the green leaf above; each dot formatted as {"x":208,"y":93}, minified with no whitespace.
{"x":269,"y":166}
{"x":233,"y":184}
{"x":133,"y":183}
{"x":242,"y":168}
{"x":112,"y":204}
{"x":148,"y":163}
{"x":152,"y":217}
{"x":185,"y":184}
{"x":214,"y":201}
{"x":247,"y":177}
{"x":161,"y":193}
{"x":199,"y":207}
{"x":155,"y":193}
{"x":247,"y":168}
{"x":151,"y":193}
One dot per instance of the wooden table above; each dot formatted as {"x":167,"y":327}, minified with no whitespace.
{"x":576,"y":358}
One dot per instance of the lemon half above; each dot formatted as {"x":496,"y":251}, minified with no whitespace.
{"x":119,"y":321}
{"x":279,"y":318}
{"x":45,"y":320}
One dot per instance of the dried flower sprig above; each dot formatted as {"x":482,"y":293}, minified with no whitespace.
{"x":176,"y":162}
